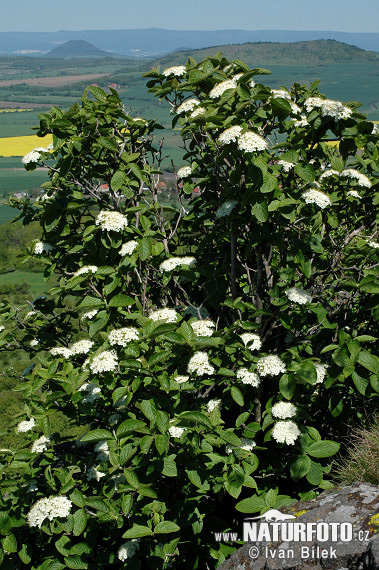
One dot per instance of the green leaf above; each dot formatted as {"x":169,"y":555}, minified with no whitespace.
{"x":10,"y":543}
{"x":80,"y":522}
{"x":148,"y":409}
{"x":145,"y":249}
{"x":118,"y":180}
{"x":251,"y":505}
{"x":300,"y":467}
{"x":166,"y":527}
{"x":75,"y":562}
{"x":287,"y":386}
{"x":260,"y":210}
{"x":121,"y":300}
{"x":169,"y":466}
{"x":314,"y":474}
{"x":307,"y":372}
{"x":24,"y":554}
{"x":163,"y":421}
{"x":97,"y":435}
{"x":361,"y":384}
{"x":98,"y":93}
{"x":129,"y":426}
{"x":137,"y":531}
{"x":77,"y":498}
{"x":341,"y":357}
{"x":305,"y":171}
{"x":369,"y":361}
{"x":126,"y":504}
{"x":237,"y":395}
{"x":63,"y":545}
{"x":197,"y":418}
{"x":325,"y":448}
{"x":108,"y":143}
{"x":162,"y":443}
{"x":89,"y":301}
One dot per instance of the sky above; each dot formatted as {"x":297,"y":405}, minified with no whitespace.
{"x":54,"y":15}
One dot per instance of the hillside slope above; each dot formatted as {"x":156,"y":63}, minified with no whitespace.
{"x":76,"y":48}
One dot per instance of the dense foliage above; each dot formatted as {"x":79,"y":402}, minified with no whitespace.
{"x":212,"y":353}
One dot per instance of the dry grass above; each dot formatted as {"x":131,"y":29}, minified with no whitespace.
{"x":18,"y":146}
{"x":362,"y":461}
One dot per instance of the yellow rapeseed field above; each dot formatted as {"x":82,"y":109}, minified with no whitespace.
{"x":18,"y":146}
{"x":14,"y":110}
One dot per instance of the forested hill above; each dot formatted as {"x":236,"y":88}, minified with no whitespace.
{"x":317,"y":52}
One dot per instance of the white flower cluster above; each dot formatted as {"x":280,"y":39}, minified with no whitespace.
{"x":33,"y":343}
{"x":61,"y":351}
{"x":362,"y":179}
{"x":177,"y":70}
{"x":176,"y":431}
{"x":128,"y":247}
{"x":270,"y":365}
{"x":321,"y":371}
{"x":48,"y":508}
{"x":82,"y":346}
{"x":283,"y":410}
{"x":230,"y":135}
{"x":89,"y":315}
{"x":353,"y":194}
{"x":247,"y":377}
{"x":220,"y":88}
{"x":226,"y":208}
{"x":313,"y":196}
{"x":104,"y":362}
{"x":246,"y":445}
{"x":287,"y":166}
{"x":213,"y":404}
{"x":298,"y":295}
{"x":32,"y":156}
{"x":123,"y":336}
{"x":373,"y":243}
{"x":174,"y":262}
{"x":111,"y":220}
{"x":203,"y":328}
{"x":200,"y":365}
{"x":40,"y":444}
{"x":128,"y":549}
{"x":184,"y":172}
{"x":26,"y":425}
{"x":181,"y":379}
{"x":329,"y":108}
{"x":85,"y":269}
{"x":251,"y":142}
{"x":2,"y":328}
{"x":94,"y":473}
{"x":251,"y":340}
{"x":102,"y":450}
{"x":285,"y":432}
{"x":280,"y":93}
{"x":196,"y":112}
{"x":295,"y":109}
{"x":40,"y":247}
{"x":168,"y":315}
{"x":328,"y":173}
{"x":302,"y":122}
{"x":187,"y":105}
{"x":93,"y":392}
{"x":30,"y":314}
{"x":375,"y":130}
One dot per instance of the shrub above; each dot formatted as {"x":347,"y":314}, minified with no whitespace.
{"x":209,"y":350}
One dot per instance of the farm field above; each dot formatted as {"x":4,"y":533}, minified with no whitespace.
{"x":35,"y":280}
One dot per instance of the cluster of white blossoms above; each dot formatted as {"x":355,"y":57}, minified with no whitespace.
{"x":26,"y":425}
{"x":61,"y":351}
{"x":373,"y":243}
{"x":362,"y":179}
{"x":247,"y":377}
{"x":181,"y":379}
{"x":321,"y":371}
{"x":48,"y":508}
{"x":251,"y":142}
{"x":177,"y":70}
{"x":176,"y":431}
{"x":375,"y":130}
{"x":275,"y":93}
{"x":2,"y":328}
{"x":203,"y":328}
{"x":184,"y":172}
{"x":93,"y":392}
{"x":298,"y":295}
{"x":328,"y":173}
{"x":30,"y":314}
{"x":285,"y":432}
{"x":102,"y":450}
{"x":82,"y":346}
{"x":174,"y":262}
{"x":302,"y":122}
{"x":32,"y":156}
{"x":220,"y":88}
{"x":128,"y":247}
{"x":251,"y":341}
{"x":295,"y":109}
{"x":353,"y":194}
{"x":213,"y":404}
{"x":246,"y":445}
{"x":33,"y":343}
{"x":40,"y":444}
{"x":313,"y":196}
{"x":128,"y":549}
{"x":123,"y":336}
{"x":94,"y":473}
{"x":187,"y":106}
{"x":86,"y":269}
{"x":90,"y":315}
{"x":199,"y":364}
{"x":226,"y":208}
{"x":287,"y":166}
{"x":198,"y":111}
{"x":329,"y":108}
{"x":230,"y":135}
{"x":111,"y":220}
{"x":104,"y":362}
{"x":41,"y":247}
{"x":283,"y":410}
{"x":168,"y":315}
{"x":270,"y":365}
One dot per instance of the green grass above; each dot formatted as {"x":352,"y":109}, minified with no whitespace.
{"x":36,"y":281}
{"x":7,"y":213}
{"x":20,"y":180}
{"x":19,"y":123}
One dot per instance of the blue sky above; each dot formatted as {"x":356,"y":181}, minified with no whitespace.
{"x":53,"y":15}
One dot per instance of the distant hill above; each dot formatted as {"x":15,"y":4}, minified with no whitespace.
{"x":155,"y":42}
{"x":317,"y":52}
{"x":76,"y":48}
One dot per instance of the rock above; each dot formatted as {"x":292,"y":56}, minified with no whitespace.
{"x":357,"y":504}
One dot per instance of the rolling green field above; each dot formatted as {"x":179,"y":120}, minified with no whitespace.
{"x":37,"y":284}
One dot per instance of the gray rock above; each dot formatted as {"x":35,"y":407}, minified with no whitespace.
{"x":355,"y":504}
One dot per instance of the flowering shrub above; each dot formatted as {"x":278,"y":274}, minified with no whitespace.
{"x":207,"y":355}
